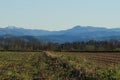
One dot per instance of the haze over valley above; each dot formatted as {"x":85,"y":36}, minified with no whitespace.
{"x":77,"y":33}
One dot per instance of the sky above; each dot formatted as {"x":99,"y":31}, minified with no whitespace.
{"x":59,"y":14}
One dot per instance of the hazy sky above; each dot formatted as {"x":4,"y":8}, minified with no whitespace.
{"x":59,"y":14}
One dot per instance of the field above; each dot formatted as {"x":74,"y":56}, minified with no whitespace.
{"x":97,"y":66}
{"x":34,"y":66}
{"x":108,"y":59}
{"x":59,"y":66}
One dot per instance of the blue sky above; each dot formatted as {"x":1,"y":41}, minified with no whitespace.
{"x":59,"y":14}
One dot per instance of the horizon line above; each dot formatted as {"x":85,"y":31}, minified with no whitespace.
{"x":13,"y":26}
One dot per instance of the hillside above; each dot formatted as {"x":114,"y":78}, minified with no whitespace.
{"x":77,"y":33}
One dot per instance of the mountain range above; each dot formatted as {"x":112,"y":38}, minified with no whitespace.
{"x":77,"y":33}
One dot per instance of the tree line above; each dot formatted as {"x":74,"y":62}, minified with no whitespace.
{"x":16,"y":44}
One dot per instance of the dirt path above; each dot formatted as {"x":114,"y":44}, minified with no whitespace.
{"x":51,"y":55}
{"x":62,"y":69}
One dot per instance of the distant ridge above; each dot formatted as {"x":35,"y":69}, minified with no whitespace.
{"x":77,"y":33}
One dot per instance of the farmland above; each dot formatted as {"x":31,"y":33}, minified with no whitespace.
{"x":34,"y":66}
{"x":96,"y":66}
{"x":59,"y":66}
{"x":108,"y":59}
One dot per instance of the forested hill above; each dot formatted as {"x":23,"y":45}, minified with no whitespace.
{"x":31,"y":43}
{"x":77,"y":33}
